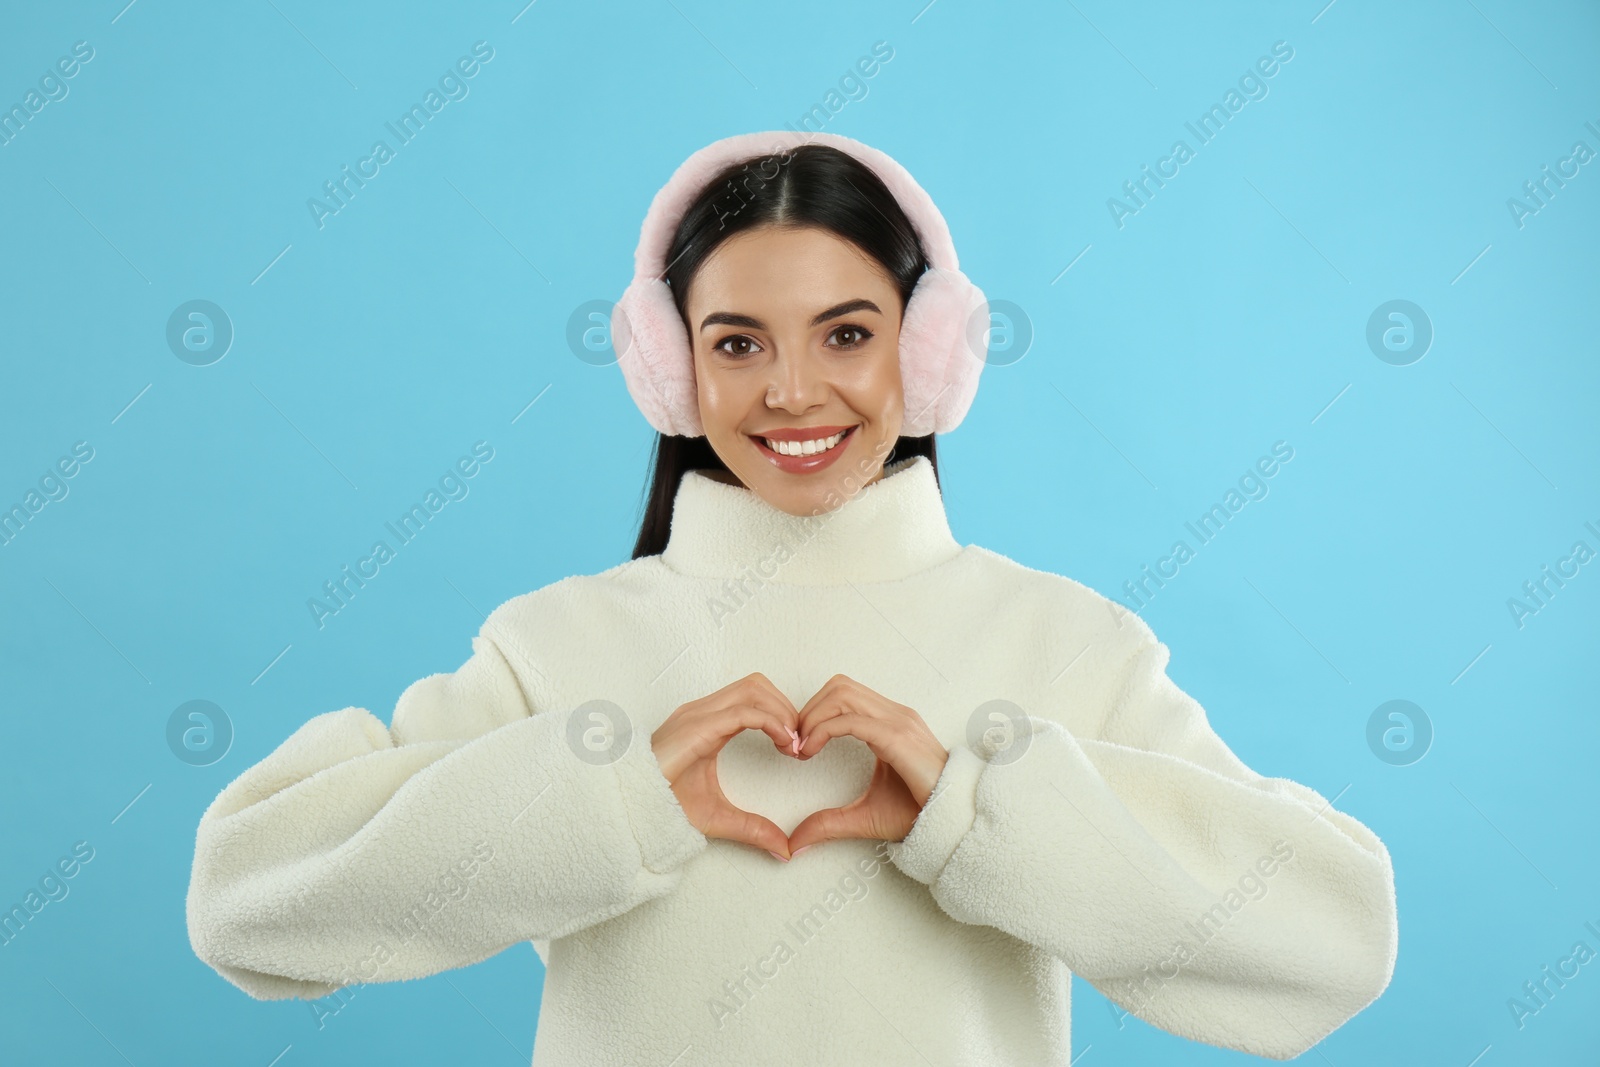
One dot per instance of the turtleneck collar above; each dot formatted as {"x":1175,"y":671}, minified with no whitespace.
{"x":892,"y":528}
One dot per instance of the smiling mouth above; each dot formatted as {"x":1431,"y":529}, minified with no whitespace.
{"x":814,"y":447}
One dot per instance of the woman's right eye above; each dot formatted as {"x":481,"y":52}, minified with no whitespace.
{"x":743,"y":346}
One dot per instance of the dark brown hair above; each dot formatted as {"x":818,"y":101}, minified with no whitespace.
{"x":812,"y":185}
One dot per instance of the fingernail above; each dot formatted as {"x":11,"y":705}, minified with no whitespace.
{"x":801,"y":849}
{"x":775,"y":856}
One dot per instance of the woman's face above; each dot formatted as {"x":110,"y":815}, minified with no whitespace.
{"x":796,"y":334}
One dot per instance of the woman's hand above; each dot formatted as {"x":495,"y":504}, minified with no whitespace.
{"x":687,"y":744}
{"x":909,"y":762}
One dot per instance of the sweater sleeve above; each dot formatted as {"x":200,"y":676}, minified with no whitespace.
{"x":1212,"y":902}
{"x":358,"y":853}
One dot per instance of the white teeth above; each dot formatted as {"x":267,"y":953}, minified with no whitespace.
{"x":804,"y":448}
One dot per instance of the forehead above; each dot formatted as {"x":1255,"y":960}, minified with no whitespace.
{"x":798,"y":266}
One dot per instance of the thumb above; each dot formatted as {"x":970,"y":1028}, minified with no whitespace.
{"x":736,"y":824}
{"x":829,"y":824}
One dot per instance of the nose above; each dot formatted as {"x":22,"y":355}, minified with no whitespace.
{"x":796,"y":382}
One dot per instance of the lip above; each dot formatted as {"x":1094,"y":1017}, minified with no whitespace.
{"x":803,"y":464}
{"x":802,"y":433}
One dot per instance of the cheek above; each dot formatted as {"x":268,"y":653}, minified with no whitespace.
{"x":722,"y":403}
{"x":709,"y":395}
{"x":880,"y":386}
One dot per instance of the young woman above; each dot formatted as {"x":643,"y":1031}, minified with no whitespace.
{"x":806,"y":780}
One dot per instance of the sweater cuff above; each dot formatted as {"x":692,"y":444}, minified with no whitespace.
{"x":951,"y":809}
{"x":665,"y":836}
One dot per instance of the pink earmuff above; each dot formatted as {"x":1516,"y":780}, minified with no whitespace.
{"x":943,"y":342}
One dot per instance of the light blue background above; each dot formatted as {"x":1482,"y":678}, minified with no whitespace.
{"x":1228,"y":314}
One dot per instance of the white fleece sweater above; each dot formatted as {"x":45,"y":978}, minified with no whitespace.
{"x":1114,"y":836}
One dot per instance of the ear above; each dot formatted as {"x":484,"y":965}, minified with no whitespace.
{"x":653,"y":352}
{"x":944,"y":340}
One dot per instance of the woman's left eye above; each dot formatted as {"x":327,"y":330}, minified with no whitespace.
{"x":860,"y":336}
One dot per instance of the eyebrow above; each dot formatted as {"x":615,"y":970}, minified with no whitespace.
{"x":729,"y":318}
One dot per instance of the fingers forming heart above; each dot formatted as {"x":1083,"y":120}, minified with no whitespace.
{"x":907,"y":762}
